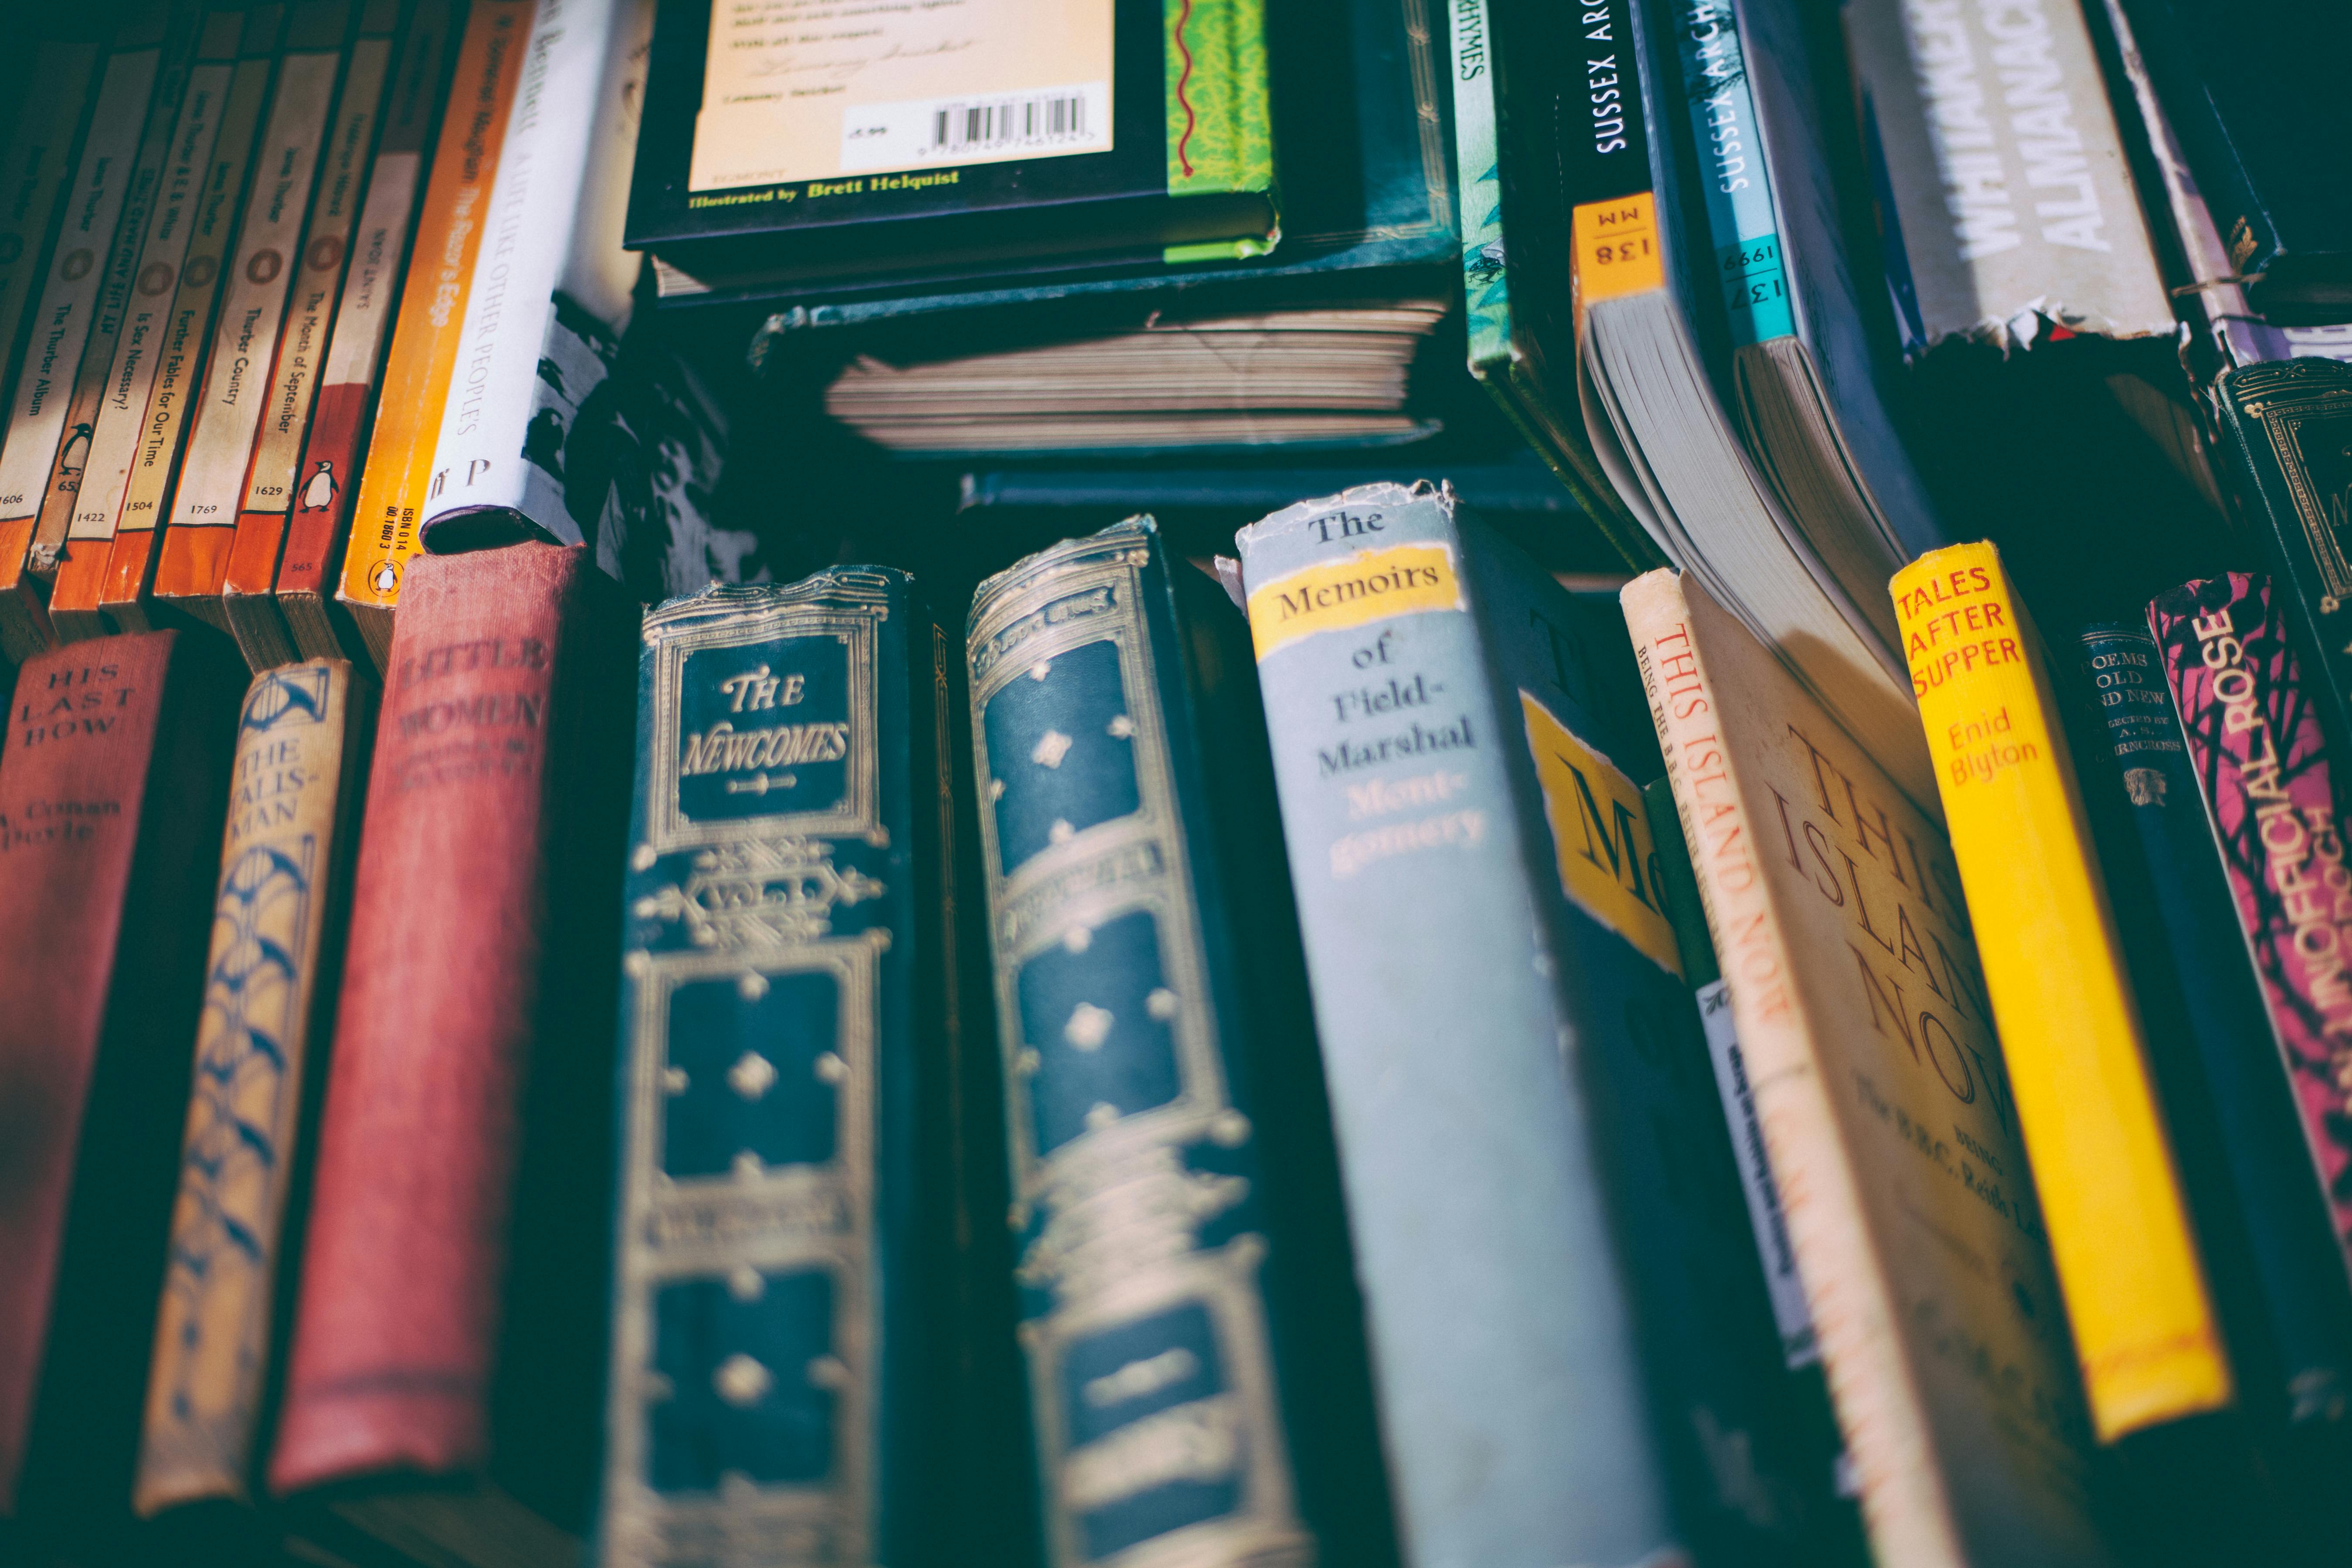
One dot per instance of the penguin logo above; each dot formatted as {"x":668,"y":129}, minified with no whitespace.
{"x":70,"y":461}
{"x":319,"y":491}
{"x":385,"y":578}
{"x":264,"y":266}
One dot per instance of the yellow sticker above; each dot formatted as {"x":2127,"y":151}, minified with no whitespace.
{"x":1607,"y":861}
{"x":1370,"y":585}
{"x":1616,"y":248}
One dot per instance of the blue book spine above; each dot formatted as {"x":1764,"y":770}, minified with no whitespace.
{"x":1522,"y":1098}
{"x":776,"y":1368}
{"x":1187,"y":1303}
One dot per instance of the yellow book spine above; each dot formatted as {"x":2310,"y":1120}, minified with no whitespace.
{"x":2136,"y":1292}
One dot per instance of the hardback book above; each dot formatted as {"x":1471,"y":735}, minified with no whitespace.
{"x":180,"y":354}
{"x":239,"y":395}
{"x":1647,"y":264}
{"x":43,"y":136}
{"x":1191,"y":1334}
{"x":1523,"y":89}
{"x":112,"y":787}
{"x":2243,"y":86}
{"x":60,"y":325}
{"x":1094,"y":128}
{"x":248,"y":578}
{"x":449,"y":1331}
{"x":270,"y":986}
{"x":392,"y":472}
{"x":1454,"y":744}
{"x":326,"y":482}
{"x":1886,"y":1108}
{"x":2261,"y":766}
{"x":2143,"y":1315}
{"x":783,"y":1350}
{"x":120,"y":426}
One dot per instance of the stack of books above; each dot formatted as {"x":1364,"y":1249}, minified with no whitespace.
{"x":1685,"y":905}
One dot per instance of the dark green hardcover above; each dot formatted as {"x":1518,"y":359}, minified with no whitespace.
{"x":786,"y":1353}
{"x":1190,"y":167}
{"x":1194,"y":1343}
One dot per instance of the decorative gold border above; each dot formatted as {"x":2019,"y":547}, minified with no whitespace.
{"x":2283,"y":417}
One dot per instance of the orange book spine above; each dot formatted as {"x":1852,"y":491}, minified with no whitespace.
{"x":415,"y":384}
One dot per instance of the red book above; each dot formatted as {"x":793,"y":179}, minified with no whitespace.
{"x":480,"y":939}
{"x":113,"y":791}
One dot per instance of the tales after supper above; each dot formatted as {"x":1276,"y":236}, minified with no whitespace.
{"x":1952,"y":631}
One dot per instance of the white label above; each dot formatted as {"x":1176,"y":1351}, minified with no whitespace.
{"x":1788,"y":1292}
{"x":970,"y":130}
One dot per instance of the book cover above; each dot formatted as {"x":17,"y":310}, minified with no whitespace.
{"x":40,"y":160}
{"x":270,"y":980}
{"x":393,"y":477}
{"x":1887,"y":1111}
{"x":2137,"y":1297}
{"x":111,"y":791}
{"x":1088,"y":127}
{"x":2262,"y":769}
{"x":120,"y":424}
{"x":1196,"y":1377}
{"x":327,"y":478}
{"x":449,"y":1321}
{"x":236,"y":401}
{"x":1455,"y":739}
{"x":249,"y":576}
{"x":60,"y":324}
{"x":783,"y":1353}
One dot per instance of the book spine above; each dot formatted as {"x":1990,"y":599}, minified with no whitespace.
{"x":79,"y":606}
{"x":1390,"y":759}
{"x":512,"y":430}
{"x":1219,"y":105}
{"x":1477,"y":161}
{"x":1734,"y":175}
{"x":268,"y":985}
{"x":2237,"y":214}
{"x":2128,"y":1262}
{"x":2262,"y":769}
{"x":405,"y":1263}
{"x":394,"y":491}
{"x":236,"y":399}
{"x":250,"y":573}
{"x":48,"y":127}
{"x":782,"y":997}
{"x":1881,"y":1412}
{"x":111,"y":787}
{"x":338,"y":435}
{"x":121,"y":417}
{"x":1125,"y":1072}
{"x":1605,"y":167}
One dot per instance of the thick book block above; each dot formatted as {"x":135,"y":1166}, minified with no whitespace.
{"x":1455,"y":741}
{"x":786,"y":1339}
{"x":2144,"y":1319}
{"x":448,"y":1321}
{"x":270,"y":983}
{"x":112,"y":792}
{"x":1886,"y":1110}
{"x":1189,"y":1324}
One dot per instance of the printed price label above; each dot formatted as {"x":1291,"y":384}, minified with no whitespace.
{"x":1616,"y":248}
{"x":1048,"y":123}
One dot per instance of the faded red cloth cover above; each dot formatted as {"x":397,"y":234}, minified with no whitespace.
{"x":112,"y":793}
{"x":398,"y":1315}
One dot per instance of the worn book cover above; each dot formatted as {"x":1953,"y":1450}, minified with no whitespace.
{"x":42,"y":140}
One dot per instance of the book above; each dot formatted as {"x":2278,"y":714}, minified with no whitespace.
{"x":113,"y":788}
{"x":237,"y":400}
{"x":119,"y":425}
{"x":2145,"y":1325}
{"x":60,"y":325}
{"x":1194,"y":1362}
{"x":1645,"y":268}
{"x":77,"y":600}
{"x":2237,"y":83}
{"x":39,"y":158}
{"x":2249,"y":743}
{"x":1455,"y":739}
{"x":326,"y":486}
{"x":1101,"y":128}
{"x":784,"y":1348}
{"x":249,"y":577}
{"x":270,"y":986}
{"x":413,"y":388}
{"x":1887,"y":1111}
{"x":448,"y":1325}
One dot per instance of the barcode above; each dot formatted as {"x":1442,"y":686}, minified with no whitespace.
{"x":1033,"y":122}
{"x":1021,"y":123}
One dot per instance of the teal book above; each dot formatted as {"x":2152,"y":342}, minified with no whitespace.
{"x":787,"y":1347}
{"x":1197,"y":1383}
{"x":1575,"y":1358}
